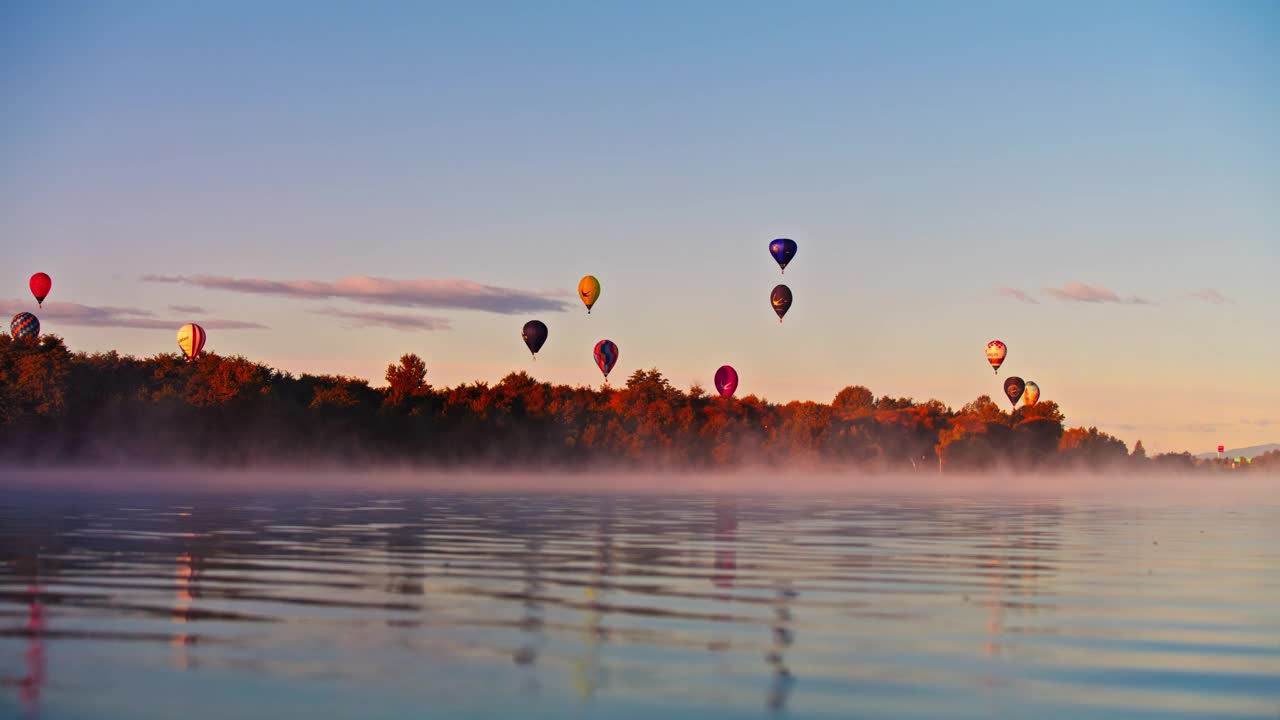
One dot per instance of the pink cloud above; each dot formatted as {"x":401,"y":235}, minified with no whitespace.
{"x":423,"y":292}
{"x":1016,"y":294}
{"x":1081,"y":292}
{"x":395,"y":321}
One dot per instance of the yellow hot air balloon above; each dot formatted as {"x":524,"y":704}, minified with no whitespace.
{"x":589,"y":291}
{"x":191,"y":340}
{"x":1031,"y":394}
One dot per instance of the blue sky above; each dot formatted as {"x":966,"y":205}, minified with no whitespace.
{"x":923,"y":155}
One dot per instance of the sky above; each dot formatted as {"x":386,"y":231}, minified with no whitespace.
{"x":326,"y":186}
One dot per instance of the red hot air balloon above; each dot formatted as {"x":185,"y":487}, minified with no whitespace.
{"x":726,"y":381}
{"x":40,"y":285}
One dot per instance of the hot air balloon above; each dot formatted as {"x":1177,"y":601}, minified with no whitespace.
{"x":996,"y":351}
{"x":589,"y":291}
{"x":24,"y":325}
{"x":780,"y":298}
{"x":191,"y":340}
{"x":606,"y":355}
{"x":40,"y":285}
{"x":534,"y":334}
{"x":1013,"y":387}
{"x":726,"y":380}
{"x":1032,"y":393}
{"x":782,"y":250}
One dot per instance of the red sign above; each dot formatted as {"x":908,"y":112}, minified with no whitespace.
{"x":1221,"y":448}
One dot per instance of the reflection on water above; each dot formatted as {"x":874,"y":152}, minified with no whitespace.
{"x":542,"y":605}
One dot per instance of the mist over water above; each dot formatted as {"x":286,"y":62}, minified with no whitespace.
{"x":811,"y":594}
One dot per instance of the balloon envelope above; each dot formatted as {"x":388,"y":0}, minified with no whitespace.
{"x":780,"y":298}
{"x":606,"y":355}
{"x":996,"y":351}
{"x":1013,"y":387}
{"x":726,"y":380}
{"x":589,"y":291}
{"x":534,"y":334}
{"x":191,"y":339}
{"x":782,"y":250}
{"x":1032,"y":393}
{"x":24,"y":325}
{"x":40,"y":285}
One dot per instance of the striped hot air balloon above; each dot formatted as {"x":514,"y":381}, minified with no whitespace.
{"x":606,"y":355}
{"x":191,"y":340}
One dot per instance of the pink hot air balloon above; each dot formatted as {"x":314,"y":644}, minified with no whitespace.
{"x":726,"y":380}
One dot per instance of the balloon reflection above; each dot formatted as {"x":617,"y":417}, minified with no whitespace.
{"x":34,"y":679}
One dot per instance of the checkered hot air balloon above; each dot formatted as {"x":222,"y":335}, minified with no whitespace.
{"x":24,"y":325}
{"x":996,"y":352}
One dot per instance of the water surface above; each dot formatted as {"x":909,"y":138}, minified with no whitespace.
{"x":562,"y":605}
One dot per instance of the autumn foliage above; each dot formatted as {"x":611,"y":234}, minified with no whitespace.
{"x":60,"y":406}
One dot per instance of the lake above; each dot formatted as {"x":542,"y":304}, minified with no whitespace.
{"x":493,"y":604}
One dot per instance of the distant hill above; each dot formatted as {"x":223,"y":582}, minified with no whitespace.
{"x":1249,"y":452}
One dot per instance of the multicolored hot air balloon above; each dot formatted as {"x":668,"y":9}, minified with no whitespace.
{"x":1032,"y":393}
{"x":40,"y":285}
{"x":726,"y":380}
{"x":1013,"y":387}
{"x":606,"y":355}
{"x":782,"y":250}
{"x":534,"y":334}
{"x":24,"y":325}
{"x":589,"y":291}
{"x":780,"y":298}
{"x":191,"y":340}
{"x":996,"y":351}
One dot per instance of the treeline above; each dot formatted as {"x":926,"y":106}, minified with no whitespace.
{"x":57,"y":406}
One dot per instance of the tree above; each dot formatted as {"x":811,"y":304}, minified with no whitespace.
{"x":1091,"y":447}
{"x":406,"y":380}
{"x":853,"y":401}
{"x":1139,"y":452}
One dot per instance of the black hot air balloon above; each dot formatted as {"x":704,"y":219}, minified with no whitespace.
{"x":1014,"y":387}
{"x":534,"y":334}
{"x":780,"y":298}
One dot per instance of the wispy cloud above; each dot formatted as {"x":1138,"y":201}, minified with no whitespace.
{"x":189,"y":309}
{"x":423,"y":292}
{"x":66,"y":313}
{"x":1210,"y":295}
{"x":1016,"y":294}
{"x":1081,"y":292}
{"x":395,"y":321}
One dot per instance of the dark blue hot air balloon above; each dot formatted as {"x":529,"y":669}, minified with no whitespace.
{"x":782,"y":250}
{"x":534,"y":334}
